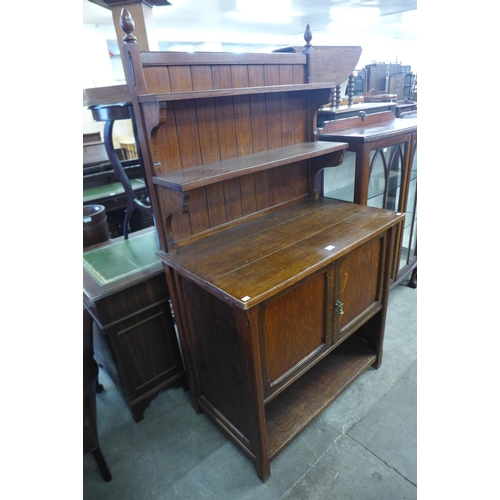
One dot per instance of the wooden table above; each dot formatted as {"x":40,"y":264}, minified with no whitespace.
{"x":125,"y":291}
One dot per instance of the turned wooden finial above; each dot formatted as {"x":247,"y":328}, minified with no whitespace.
{"x":338,"y":97}
{"x":308,"y":36}
{"x":127,"y":24}
{"x":308,"y":50}
{"x":350,"y":90}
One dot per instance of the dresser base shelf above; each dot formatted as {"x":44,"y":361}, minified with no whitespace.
{"x":288,"y":414}
{"x":291,"y":411}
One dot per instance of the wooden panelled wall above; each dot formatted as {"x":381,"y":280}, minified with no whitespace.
{"x":210,"y":129}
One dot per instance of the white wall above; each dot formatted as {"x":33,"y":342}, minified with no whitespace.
{"x":99,"y":69}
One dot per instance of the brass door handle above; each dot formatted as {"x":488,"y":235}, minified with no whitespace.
{"x":340,"y":307}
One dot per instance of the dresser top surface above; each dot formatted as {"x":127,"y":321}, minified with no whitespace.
{"x":250,"y":262}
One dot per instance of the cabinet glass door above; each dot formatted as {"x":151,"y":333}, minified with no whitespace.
{"x":386,"y":167}
{"x":409,"y":243}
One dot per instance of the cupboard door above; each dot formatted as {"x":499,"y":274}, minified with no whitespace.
{"x":360,"y":294}
{"x":294,"y":330}
{"x":144,"y":348}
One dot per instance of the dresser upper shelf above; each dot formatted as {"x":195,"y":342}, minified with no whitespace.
{"x":211,"y":173}
{"x":230,"y":92}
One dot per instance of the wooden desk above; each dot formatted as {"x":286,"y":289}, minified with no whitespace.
{"x":112,"y":196}
{"x":125,"y":291}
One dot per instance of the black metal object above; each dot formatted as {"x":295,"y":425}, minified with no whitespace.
{"x":110,"y":113}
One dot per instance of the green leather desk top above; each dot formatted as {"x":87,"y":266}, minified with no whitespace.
{"x":113,"y":189}
{"x":113,"y":265}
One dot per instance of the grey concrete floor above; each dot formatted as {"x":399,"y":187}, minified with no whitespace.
{"x":362,"y":447}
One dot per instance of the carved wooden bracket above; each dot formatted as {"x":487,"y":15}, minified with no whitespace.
{"x":317,"y":165}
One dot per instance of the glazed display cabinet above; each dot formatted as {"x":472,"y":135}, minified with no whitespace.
{"x":379,"y":170}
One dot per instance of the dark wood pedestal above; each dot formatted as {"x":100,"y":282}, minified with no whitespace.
{"x":125,"y":291}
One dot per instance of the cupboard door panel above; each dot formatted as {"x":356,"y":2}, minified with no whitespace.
{"x":145,"y":350}
{"x":359,"y":284}
{"x":294,"y":327}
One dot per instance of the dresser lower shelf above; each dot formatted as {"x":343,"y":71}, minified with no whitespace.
{"x":292,"y":410}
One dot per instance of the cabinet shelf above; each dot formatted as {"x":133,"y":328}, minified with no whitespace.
{"x":211,"y":173}
{"x":230,"y":92}
{"x":291,"y":411}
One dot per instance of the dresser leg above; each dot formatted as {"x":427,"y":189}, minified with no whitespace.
{"x":98,"y":386}
{"x":263,"y":470}
{"x":413,"y":279}
{"x":138,"y":410}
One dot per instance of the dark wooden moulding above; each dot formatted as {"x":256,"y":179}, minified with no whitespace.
{"x":279,"y":295}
